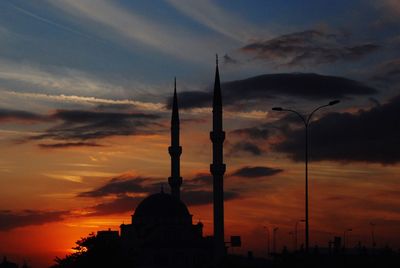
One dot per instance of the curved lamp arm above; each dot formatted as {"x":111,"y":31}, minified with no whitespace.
{"x":290,"y":110}
{"x":320,"y":107}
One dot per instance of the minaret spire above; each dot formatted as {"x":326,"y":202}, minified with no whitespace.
{"x":218,"y":168}
{"x":175,"y":150}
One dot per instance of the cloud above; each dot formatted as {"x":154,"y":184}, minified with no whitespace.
{"x":202,"y":179}
{"x":68,"y":145}
{"x":229,"y":60}
{"x":120,"y":185}
{"x":245,"y":146}
{"x":10,"y":220}
{"x":119,"y":205}
{"x":195,"y":192}
{"x":257,"y":132}
{"x":7,"y":115}
{"x":204,"y":197}
{"x":309,"y":86}
{"x":55,"y":80}
{"x":50,"y":22}
{"x":391,"y":8}
{"x":365,"y":136}
{"x":211,"y":15}
{"x":303,"y":85}
{"x":256,"y":172}
{"x":117,"y":104}
{"x":192,"y":99}
{"x":129,"y":25}
{"x":387,"y":72}
{"x":87,"y":125}
{"x":308,"y":47}
{"x":125,"y":203}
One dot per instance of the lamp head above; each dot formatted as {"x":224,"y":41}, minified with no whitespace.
{"x":333,"y":102}
{"x":277,"y":109}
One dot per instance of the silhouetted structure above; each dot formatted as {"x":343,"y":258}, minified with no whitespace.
{"x":217,"y":169}
{"x":8,"y":264}
{"x":175,"y":150}
{"x":162,"y":232}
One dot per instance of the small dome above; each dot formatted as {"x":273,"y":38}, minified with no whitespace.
{"x":161,"y":206}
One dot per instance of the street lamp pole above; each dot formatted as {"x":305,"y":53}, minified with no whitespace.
{"x":373,"y":234}
{"x":306,"y":121}
{"x":295,"y":233}
{"x":274,"y":231}
{"x":268,"y":240}
{"x":344,"y":237}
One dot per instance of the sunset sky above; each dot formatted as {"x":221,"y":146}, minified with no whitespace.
{"x":84,"y":117}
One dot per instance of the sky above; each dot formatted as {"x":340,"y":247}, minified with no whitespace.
{"x":84,"y":117}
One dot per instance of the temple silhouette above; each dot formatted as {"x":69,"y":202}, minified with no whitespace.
{"x":162,"y":232}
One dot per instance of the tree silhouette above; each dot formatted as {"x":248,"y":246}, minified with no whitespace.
{"x":94,"y":251}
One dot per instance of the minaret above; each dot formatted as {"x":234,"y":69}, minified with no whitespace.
{"x":175,"y":150}
{"x":217,"y":169}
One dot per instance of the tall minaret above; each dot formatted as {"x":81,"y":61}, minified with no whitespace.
{"x":217,"y":169}
{"x":175,"y":150}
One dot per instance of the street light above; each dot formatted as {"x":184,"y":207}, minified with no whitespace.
{"x":344,"y":236}
{"x":306,"y":121}
{"x":292,"y":234}
{"x":373,"y":234}
{"x":268,"y":249}
{"x":274,"y":231}
{"x":295,"y":233}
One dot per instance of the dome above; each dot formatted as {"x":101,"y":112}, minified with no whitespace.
{"x":161,"y":206}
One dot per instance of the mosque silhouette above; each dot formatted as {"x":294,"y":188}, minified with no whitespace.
{"x":162,"y":232}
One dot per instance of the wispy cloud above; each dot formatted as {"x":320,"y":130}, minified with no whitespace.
{"x":50,"y":22}
{"x":215,"y":17}
{"x":63,"y":145}
{"x":61,"y":80}
{"x":171,"y":39}
{"x":84,"y":100}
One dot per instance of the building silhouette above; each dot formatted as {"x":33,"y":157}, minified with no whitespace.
{"x":217,"y":169}
{"x":162,"y":231}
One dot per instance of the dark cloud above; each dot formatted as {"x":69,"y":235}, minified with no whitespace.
{"x":257,"y":132}
{"x":203,"y":197}
{"x":367,"y":136}
{"x":255,"y":172}
{"x":308,"y":47}
{"x":121,"y":204}
{"x":202,"y":179}
{"x":10,"y":220}
{"x":86,"y":125}
{"x":192,"y":99}
{"x":7,"y":115}
{"x":125,"y":203}
{"x":115,"y":107}
{"x":229,"y":60}
{"x":260,"y":134}
{"x":68,"y":144}
{"x":245,"y":146}
{"x":121,"y":185}
{"x":303,"y":85}
{"x":195,"y":192}
{"x":388,"y":72}
{"x":309,"y":86}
